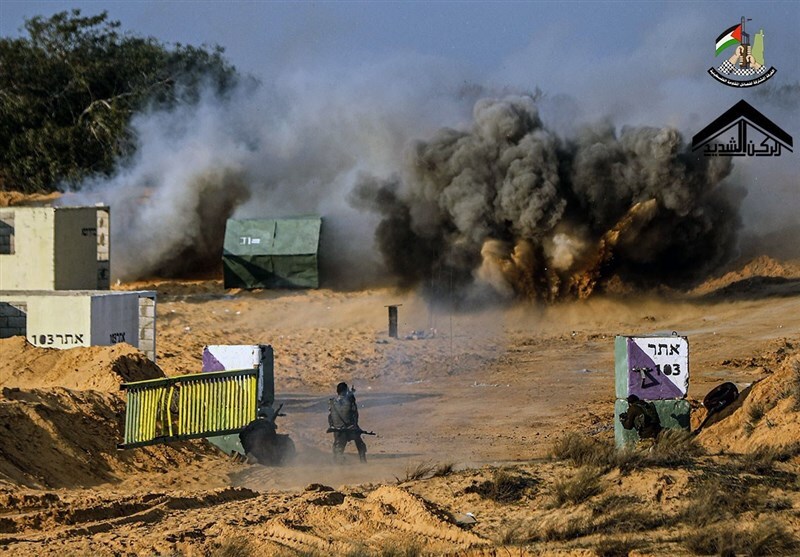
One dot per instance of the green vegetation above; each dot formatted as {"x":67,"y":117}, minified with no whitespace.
{"x":69,"y":88}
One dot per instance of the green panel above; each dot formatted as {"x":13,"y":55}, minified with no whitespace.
{"x":271,"y":253}
{"x":296,"y":272}
{"x":267,"y":271}
{"x":228,"y":444}
{"x":290,"y":236}
{"x":621,"y":366}
{"x":673,"y":414}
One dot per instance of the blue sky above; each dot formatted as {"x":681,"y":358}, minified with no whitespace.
{"x":638,"y":63}
{"x":483,"y":37}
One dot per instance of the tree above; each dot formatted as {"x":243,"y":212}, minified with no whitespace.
{"x":69,"y":88}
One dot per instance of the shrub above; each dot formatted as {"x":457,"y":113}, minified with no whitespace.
{"x":762,"y":460}
{"x":581,"y":450}
{"x":418,"y":472}
{"x":766,"y":538}
{"x":674,"y":447}
{"x":615,"y":547}
{"x":443,"y":469}
{"x":503,"y":487}
{"x":577,"y":489}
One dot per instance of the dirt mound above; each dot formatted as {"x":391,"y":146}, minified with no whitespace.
{"x":62,"y":416}
{"x":766,"y":414}
{"x":63,"y":438}
{"x":747,"y":276}
{"x":100,"y":368}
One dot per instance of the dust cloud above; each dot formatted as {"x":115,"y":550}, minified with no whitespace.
{"x":464,"y":192}
{"x":508,"y":208}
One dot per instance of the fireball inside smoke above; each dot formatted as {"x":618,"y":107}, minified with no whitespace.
{"x":510,"y":206}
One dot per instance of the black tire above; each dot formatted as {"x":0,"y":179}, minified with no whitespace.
{"x":285,"y":449}
{"x":720,"y":396}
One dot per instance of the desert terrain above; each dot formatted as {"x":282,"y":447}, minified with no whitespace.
{"x":504,"y":413}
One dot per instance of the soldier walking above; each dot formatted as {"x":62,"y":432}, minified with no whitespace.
{"x":343,"y":423}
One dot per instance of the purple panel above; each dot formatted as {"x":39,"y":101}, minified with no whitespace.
{"x":651,"y":385}
{"x":210,"y":363}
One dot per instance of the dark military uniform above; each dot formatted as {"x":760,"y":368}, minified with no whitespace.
{"x":343,"y":422}
{"x":643,"y":417}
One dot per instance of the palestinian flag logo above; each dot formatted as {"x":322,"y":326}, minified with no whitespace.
{"x":745,"y":66}
{"x":729,"y":38}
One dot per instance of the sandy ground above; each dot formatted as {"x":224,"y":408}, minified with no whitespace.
{"x":488,"y":395}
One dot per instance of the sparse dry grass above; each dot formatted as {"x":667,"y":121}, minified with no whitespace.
{"x":419,"y":471}
{"x":516,"y":532}
{"x":581,"y":450}
{"x":794,"y":386}
{"x":612,"y":503}
{"x":425,"y":470}
{"x":763,"y":459}
{"x":234,"y":547}
{"x":714,"y":499}
{"x":585,"y":483}
{"x":576,"y":527}
{"x":616,"y":547}
{"x":765,"y":538}
{"x":400,"y":548}
{"x":504,"y":487}
{"x":672,"y":448}
{"x":629,"y":520}
{"x":754,"y":414}
{"x":443,"y":469}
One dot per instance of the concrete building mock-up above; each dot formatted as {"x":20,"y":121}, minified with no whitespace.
{"x":54,"y":248}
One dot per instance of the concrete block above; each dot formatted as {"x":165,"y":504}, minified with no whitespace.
{"x":652,"y":368}
{"x":19,"y":321}
{"x":8,"y":332}
{"x":146,"y":322}
{"x":673,"y":414}
{"x":4,"y":322}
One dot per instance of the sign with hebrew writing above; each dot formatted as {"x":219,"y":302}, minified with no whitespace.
{"x":652,"y":368}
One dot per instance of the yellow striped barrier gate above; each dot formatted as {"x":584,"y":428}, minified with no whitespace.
{"x":189,"y":406}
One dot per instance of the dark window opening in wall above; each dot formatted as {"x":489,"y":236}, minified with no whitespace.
{"x":7,"y":233}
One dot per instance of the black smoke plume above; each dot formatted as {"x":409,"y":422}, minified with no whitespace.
{"x":509,"y":208}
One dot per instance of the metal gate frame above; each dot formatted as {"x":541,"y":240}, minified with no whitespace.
{"x":189,"y":406}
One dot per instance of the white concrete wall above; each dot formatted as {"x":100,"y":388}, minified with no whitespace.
{"x":63,"y":248}
{"x":59,"y":321}
{"x":65,"y":319}
{"x":32,"y":266}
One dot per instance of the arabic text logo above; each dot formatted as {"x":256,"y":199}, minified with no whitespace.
{"x":742,"y":131}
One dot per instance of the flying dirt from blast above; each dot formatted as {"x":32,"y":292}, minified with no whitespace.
{"x":508,"y":208}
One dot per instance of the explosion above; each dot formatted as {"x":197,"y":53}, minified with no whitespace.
{"x":511,"y":209}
